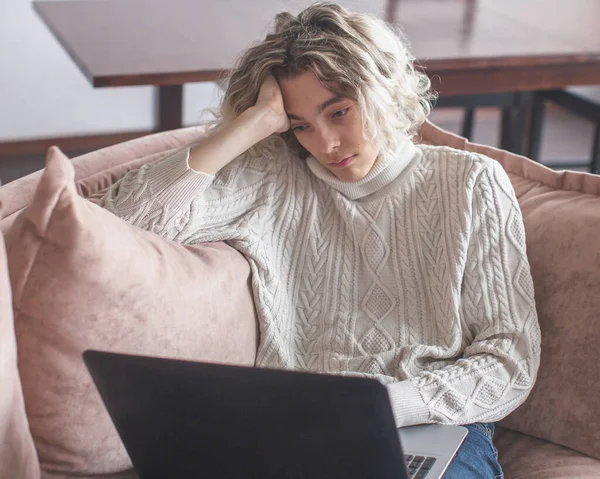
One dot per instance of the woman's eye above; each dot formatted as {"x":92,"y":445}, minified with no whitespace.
{"x":340,"y":113}
{"x":297,"y":129}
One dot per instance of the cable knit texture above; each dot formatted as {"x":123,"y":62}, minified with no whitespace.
{"x":417,"y":277}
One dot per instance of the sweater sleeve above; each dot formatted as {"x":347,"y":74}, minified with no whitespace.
{"x":497,"y":314}
{"x":173,"y":200}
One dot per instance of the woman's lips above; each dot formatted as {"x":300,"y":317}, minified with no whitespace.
{"x":341,"y":164}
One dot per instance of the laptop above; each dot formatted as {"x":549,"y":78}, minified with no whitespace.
{"x":184,"y":419}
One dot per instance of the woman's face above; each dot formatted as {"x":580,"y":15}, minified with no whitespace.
{"x":328,"y":127}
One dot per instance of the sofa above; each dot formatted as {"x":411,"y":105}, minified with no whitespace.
{"x":74,"y":277}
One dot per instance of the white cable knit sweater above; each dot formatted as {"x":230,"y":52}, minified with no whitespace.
{"x":415,"y":275}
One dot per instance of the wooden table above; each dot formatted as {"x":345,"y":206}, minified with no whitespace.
{"x":465,"y":46}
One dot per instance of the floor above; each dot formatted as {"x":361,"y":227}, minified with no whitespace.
{"x":567,"y":139}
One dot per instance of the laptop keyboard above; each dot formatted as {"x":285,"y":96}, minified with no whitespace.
{"x":418,"y":466}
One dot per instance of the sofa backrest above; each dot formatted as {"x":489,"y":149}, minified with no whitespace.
{"x":561,"y":212}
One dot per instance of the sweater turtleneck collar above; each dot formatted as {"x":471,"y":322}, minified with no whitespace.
{"x":385,"y":170}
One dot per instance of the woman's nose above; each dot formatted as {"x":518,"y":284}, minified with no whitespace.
{"x":329,"y":141}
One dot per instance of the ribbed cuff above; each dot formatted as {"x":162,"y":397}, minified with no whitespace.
{"x":174,"y":184}
{"x":407,"y":405}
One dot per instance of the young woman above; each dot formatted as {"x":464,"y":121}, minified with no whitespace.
{"x":370,"y":255}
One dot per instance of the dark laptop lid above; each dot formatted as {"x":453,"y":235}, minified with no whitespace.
{"x":191,"y":419}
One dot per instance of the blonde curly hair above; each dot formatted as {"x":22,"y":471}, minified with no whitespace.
{"x":356,"y":55}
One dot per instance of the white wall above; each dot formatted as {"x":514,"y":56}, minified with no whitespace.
{"x":43,"y":93}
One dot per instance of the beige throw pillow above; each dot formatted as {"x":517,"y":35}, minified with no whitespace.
{"x":84,"y":279}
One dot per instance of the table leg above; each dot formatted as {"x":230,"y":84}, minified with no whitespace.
{"x":468,"y":120}
{"x":507,"y":119}
{"x":522,"y":135}
{"x":169,"y":107}
{"x":514,"y":123}
{"x":538,"y":109}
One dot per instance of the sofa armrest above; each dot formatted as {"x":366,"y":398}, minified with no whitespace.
{"x":89,"y":168}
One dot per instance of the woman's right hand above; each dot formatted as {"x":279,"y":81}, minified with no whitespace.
{"x":226,"y":143}
{"x":270,"y":102}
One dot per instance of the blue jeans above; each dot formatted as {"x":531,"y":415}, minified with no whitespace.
{"x":477,"y":457}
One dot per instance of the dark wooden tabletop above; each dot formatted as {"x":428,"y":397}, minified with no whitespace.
{"x":474,"y":46}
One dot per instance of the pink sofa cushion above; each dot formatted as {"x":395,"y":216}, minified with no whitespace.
{"x":84,"y":279}
{"x":526,"y":457}
{"x":561,"y":212}
{"x":18,"y":458}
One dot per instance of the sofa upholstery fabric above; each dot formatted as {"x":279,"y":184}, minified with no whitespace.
{"x":527,"y":457}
